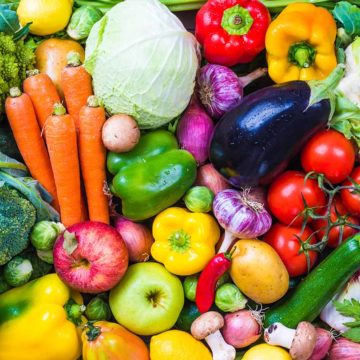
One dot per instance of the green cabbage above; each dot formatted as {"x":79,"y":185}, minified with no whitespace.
{"x":143,"y":62}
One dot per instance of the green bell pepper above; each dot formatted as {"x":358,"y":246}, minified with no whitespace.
{"x":152,"y":176}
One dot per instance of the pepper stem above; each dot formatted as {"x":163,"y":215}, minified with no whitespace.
{"x":302,"y":54}
{"x":180,"y":241}
{"x":236,"y":20}
{"x":74,"y":311}
{"x":93,"y":332}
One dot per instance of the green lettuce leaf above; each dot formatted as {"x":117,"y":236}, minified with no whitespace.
{"x":348,"y":16}
{"x":347,"y":118}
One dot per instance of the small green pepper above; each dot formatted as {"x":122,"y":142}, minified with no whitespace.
{"x":152,"y":176}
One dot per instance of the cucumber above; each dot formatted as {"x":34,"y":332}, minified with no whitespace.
{"x":318,"y":288}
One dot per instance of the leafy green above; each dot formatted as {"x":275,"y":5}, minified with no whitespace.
{"x":348,"y":16}
{"x":9,"y":21}
{"x":350,"y":308}
{"x":347,"y":118}
{"x":15,"y":175}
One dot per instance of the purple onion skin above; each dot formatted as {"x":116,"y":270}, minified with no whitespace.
{"x":343,"y":349}
{"x":195,"y":130}
{"x":219,"y":89}
{"x":323,"y":343}
{"x":234,"y":213}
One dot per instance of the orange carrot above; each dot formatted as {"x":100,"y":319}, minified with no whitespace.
{"x":93,"y":159}
{"x":76,"y":85}
{"x":43,"y":94}
{"x":61,"y":140}
{"x":22,"y":119}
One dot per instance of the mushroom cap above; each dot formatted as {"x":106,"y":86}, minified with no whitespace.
{"x":206,"y":324}
{"x":304,"y":341}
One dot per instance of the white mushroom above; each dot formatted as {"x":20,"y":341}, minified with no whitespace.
{"x":207,"y":326}
{"x":301,"y":341}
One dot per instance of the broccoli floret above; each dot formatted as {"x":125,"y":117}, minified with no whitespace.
{"x":17,"y":217}
{"x":16,"y":58}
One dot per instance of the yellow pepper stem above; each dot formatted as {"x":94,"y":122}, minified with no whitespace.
{"x":180,"y":241}
{"x":74,"y":311}
{"x":302,"y":54}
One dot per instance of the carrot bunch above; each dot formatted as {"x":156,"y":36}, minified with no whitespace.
{"x":73,"y":141}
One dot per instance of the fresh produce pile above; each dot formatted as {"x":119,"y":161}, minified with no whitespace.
{"x":170,"y":195}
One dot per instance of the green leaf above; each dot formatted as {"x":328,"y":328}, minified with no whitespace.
{"x":353,"y":334}
{"x":9,"y":21}
{"x":22,"y":33}
{"x":347,"y":118}
{"x":12,"y":166}
{"x":34,"y":192}
{"x":349,"y":308}
{"x":349,"y":17}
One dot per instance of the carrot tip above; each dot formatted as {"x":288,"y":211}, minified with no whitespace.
{"x":32,"y":72}
{"x":73,"y":59}
{"x":93,"y":101}
{"x":59,"y":109}
{"x":15,"y":92}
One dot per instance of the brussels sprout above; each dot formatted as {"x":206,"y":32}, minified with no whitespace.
{"x":45,"y":255}
{"x":98,"y":309}
{"x":44,"y":234}
{"x":18,"y":271}
{"x":199,"y":199}
{"x":225,"y":278}
{"x":4,"y":286}
{"x":228,"y":298}
{"x":189,"y":286}
{"x":82,"y":20}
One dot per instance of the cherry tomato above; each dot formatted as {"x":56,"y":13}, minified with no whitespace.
{"x":287,"y":241}
{"x":351,"y":199}
{"x":337,"y":210}
{"x":328,"y":152}
{"x":286,"y":193}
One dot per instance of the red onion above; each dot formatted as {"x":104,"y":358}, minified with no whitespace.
{"x":220,"y":89}
{"x":323,"y":343}
{"x":137,"y":237}
{"x":240,"y":216}
{"x":194,"y":131}
{"x":242,"y":328}
{"x":209,"y":177}
{"x":344,"y":349}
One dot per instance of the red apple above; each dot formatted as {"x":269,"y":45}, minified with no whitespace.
{"x":91,"y":257}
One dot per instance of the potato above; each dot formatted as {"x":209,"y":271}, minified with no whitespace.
{"x":51,"y":58}
{"x":258,"y":271}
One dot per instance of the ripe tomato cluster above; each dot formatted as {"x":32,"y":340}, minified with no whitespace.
{"x":316,"y":207}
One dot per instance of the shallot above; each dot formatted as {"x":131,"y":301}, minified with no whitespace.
{"x":137,"y":237}
{"x":194,"y":131}
{"x":211,"y":178}
{"x":344,"y":349}
{"x":242,"y":328}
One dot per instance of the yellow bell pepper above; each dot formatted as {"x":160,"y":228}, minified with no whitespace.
{"x":184,"y":241}
{"x":34,"y":324}
{"x":300,"y":44}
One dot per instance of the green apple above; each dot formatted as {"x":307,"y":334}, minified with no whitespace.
{"x":148,"y":299}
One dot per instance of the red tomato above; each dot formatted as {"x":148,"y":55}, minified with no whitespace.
{"x":337,"y":210}
{"x":285,"y":197}
{"x":328,"y":152}
{"x":286,"y":241}
{"x":351,"y":199}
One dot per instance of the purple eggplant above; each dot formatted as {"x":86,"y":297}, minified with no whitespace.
{"x":255,"y":141}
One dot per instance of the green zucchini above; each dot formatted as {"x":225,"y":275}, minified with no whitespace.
{"x":318,"y":288}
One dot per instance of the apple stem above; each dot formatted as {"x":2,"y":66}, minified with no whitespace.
{"x":74,"y":311}
{"x":93,"y":332}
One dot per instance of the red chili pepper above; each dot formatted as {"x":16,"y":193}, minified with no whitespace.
{"x":232,"y":31}
{"x":206,"y":286}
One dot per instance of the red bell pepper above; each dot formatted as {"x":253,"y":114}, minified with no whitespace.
{"x":232,"y":31}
